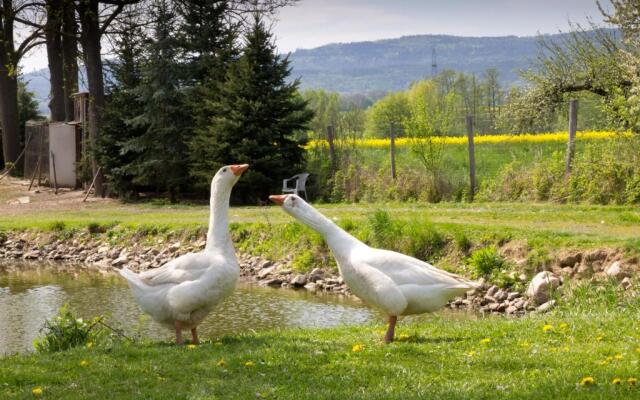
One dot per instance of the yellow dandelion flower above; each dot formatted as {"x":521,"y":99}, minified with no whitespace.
{"x":403,"y":336}
{"x":485,"y":341}
{"x":632,"y":381}
{"x":616,"y":381}
{"x":587,"y":381}
{"x":471,"y":353}
{"x":357,"y":347}
{"x":600,"y":338}
{"x":604,"y":362}
{"x":37,"y":391}
{"x":249,"y":364}
{"x":84,"y":363}
{"x":547,"y":328}
{"x":89,"y":345}
{"x":563,"y":326}
{"x":637,"y":349}
{"x":220,"y":363}
{"x":618,"y":357}
{"x":191,"y":346}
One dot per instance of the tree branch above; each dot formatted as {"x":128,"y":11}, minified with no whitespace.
{"x":27,"y":5}
{"x":27,"y":22}
{"x":111,"y":17}
{"x":25,"y":45}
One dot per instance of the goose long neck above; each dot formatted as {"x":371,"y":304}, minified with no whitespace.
{"x":337,"y":239}
{"x":218,"y":234}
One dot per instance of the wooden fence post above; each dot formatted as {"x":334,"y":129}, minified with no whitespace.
{"x":55,"y":178}
{"x":392,"y":145}
{"x":332,"y":149}
{"x":472,"y":157}
{"x":573,"y":127}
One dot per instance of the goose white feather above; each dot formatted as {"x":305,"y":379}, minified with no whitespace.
{"x":393,"y":282}
{"x":182,"y":292}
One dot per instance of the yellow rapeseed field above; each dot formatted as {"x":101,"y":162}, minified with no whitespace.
{"x":488,"y":139}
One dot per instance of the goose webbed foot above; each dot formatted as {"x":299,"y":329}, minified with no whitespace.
{"x":388,"y":337}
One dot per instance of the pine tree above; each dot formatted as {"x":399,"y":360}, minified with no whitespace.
{"x":254,"y":120}
{"x":160,"y":150}
{"x":123,"y":104}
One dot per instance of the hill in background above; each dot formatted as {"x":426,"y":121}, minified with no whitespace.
{"x":386,"y":65}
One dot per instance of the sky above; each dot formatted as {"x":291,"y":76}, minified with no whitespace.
{"x":313,"y":23}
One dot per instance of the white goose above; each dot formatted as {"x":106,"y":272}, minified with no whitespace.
{"x":393,"y":282}
{"x":182,"y":292}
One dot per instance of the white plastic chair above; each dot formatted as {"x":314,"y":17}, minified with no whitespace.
{"x":300,"y":184}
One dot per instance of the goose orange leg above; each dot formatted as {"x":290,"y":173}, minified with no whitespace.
{"x":388,"y":338}
{"x":179,"y":339}
{"x":194,"y":335}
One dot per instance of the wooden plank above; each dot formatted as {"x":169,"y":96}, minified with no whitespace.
{"x":91,"y":186}
{"x":392,"y":150}
{"x":332,"y":149}
{"x":472,"y":157}
{"x":55,"y":179}
{"x":573,"y":127}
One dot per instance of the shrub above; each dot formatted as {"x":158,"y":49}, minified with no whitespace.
{"x":95,"y":227}
{"x":422,"y":240}
{"x":304,"y":262}
{"x":485,"y":262}
{"x":66,"y":331}
{"x":462,"y":241}
{"x":57,"y":226}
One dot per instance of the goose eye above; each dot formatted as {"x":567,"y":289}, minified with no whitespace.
{"x":224,"y":170}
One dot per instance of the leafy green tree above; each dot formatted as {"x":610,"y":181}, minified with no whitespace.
{"x":160,"y":151}
{"x":122,"y":105}
{"x":254,"y":120}
{"x":326,"y":108}
{"x":388,"y":114}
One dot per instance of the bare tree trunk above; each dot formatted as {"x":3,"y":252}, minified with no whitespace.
{"x":54,"y":54}
{"x":9,"y":116}
{"x":9,"y":88}
{"x":90,"y":39}
{"x":69,"y":55}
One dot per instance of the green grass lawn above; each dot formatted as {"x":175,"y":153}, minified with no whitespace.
{"x":555,"y":225}
{"x":445,"y":358}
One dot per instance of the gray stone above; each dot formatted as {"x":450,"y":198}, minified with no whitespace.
{"x":626,"y":283}
{"x":492,"y":290}
{"x":273,"y":282}
{"x":513,"y":295}
{"x":299,"y":280}
{"x":311,"y":286}
{"x":511,"y":310}
{"x":501,"y":295}
{"x":120,"y":261}
{"x":265,"y":272}
{"x":542,"y":286}
{"x":616,"y":271}
{"x":546,"y":306}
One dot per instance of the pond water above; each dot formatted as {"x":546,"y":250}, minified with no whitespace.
{"x":30,"y":295}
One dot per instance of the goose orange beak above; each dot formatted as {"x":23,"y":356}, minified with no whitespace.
{"x":278,"y":198}
{"x":239,"y":169}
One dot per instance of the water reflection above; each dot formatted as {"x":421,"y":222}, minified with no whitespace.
{"x":30,"y":296}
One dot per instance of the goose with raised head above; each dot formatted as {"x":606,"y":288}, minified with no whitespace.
{"x":182,"y":292}
{"x":395,"y":283}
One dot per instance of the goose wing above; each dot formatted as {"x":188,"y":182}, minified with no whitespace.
{"x":377,"y":288}
{"x":188,"y":267}
{"x":403,"y":269}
